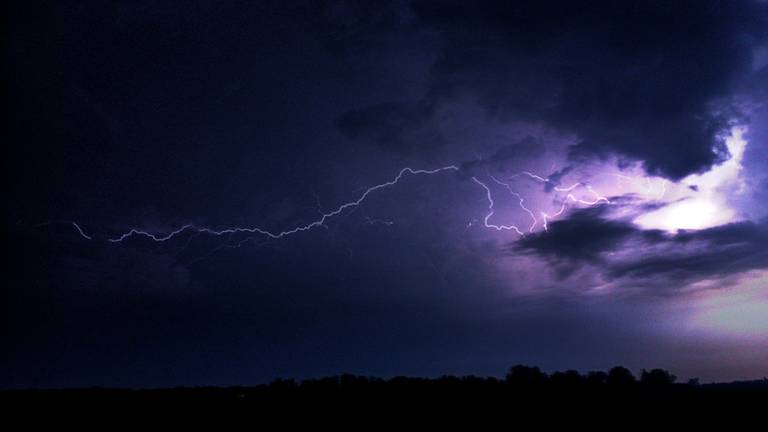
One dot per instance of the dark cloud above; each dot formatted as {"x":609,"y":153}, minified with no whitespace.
{"x":647,"y":80}
{"x":526,"y":147}
{"x":584,"y":236}
{"x":588,"y":237}
{"x":348,"y":28}
{"x":715,"y":252}
{"x":556,"y":177}
{"x":655,"y":82}
{"x":389,"y":125}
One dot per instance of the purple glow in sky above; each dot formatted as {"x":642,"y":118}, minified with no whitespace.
{"x":418,"y":187}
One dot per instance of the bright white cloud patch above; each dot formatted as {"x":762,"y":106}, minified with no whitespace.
{"x":702,"y":200}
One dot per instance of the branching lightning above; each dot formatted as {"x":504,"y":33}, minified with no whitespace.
{"x":521,"y":201}
{"x":648,"y":186}
{"x":325,"y":216}
{"x":490,"y":211}
{"x":545,"y":217}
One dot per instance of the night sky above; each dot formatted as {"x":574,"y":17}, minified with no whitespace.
{"x":222,"y":192}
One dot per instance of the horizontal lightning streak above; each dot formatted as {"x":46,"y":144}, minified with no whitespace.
{"x":324,"y":216}
{"x":277,"y":235}
{"x":568,"y":189}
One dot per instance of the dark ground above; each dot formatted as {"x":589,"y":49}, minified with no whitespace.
{"x":525,"y":393}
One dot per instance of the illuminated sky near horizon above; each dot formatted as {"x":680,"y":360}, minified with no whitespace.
{"x":213,"y":193}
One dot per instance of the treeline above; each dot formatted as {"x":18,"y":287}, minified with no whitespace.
{"x":522,"y":386}
{"x":524,"y":393}
{"x":518,"y":377}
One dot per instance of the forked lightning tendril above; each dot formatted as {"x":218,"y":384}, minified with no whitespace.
{"x":325,"y":216}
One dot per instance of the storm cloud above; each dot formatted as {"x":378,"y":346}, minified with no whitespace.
{"x":590,"y":237}
{"x":647,"y":81}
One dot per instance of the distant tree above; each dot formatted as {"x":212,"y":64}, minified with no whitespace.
{"x":620,"y":376}
{"x":657,"y":377}
{"x":693,"y":382}
{"x":283,"y":386}
{"x":569,"y":378}
{"x":352,"y":382}
{"x":525,"y":376}
{"x":596,"y":378}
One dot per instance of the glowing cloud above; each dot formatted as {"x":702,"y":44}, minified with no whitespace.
{"x":702,"y":200}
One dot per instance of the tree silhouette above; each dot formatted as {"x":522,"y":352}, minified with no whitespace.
{"x":569,"y":378}
{"x":525,"y":376}
{"x":596,"y":378}
{"x":620,"y":376}
{"x":657,"y":377}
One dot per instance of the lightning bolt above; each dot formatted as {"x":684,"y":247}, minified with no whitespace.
{"x":278,"y":235}
{"x":490,"y":211}
{"x":369,"y":221}
{"x":81,"y":232}
{"x":325,"y":216}
{"x":568,"y":189}
{"x":545,"y":217}
{"x":521,"y":201}
{"x":536,"y":177}
{"x":648,"y":186}
{"x":547,"y":180}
